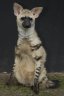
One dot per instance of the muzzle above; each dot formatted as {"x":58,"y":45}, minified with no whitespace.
{"x":26,"y":23}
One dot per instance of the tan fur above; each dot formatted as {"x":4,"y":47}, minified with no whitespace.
{"x":25,"y":64}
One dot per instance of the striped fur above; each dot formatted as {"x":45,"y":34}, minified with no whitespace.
{"x":30,"y":56}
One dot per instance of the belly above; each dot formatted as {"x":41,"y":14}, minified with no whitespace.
{"x":24,"y":73}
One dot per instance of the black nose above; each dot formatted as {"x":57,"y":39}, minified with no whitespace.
{"x":26,"y":23}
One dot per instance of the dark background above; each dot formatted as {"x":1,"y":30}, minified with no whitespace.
{"x":50,"y":27}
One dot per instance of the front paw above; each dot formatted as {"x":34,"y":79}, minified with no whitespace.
{"x":35,"y":88}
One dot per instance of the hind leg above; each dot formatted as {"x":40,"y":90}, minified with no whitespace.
{"x":44,"y":81}
{"x":10,"y":79}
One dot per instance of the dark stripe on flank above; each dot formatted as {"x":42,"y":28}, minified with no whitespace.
{"x":37,"y":72}
{"x":36,"y":47}
{"x":38,"y":58}
{"x":18,"y":55}
{"x":38,"y":68}
{"x":36,"y":76}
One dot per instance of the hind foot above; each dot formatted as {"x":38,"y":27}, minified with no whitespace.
{"x":50,"y":84}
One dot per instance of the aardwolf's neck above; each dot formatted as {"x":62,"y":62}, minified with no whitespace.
{"x":30,"y":34}
{"x":24,"y":34}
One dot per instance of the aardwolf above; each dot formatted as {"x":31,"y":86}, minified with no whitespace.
{"x":30,"y":56}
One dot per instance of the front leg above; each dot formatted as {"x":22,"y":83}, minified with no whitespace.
{"x":36,"y":79}
{"x":37,"y":73}
{"x":39,"y":55}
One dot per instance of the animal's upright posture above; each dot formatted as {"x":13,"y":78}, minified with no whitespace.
{"x":30,"y":56}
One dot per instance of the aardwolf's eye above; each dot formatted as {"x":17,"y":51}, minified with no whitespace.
{"x":22,"y":18}
{"x":30,"y":19}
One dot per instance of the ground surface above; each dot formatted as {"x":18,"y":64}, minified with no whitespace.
{"x":15,"y":90}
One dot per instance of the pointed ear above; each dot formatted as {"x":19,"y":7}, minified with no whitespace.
{"x":36,"y":11}
{"x":17,"y":9}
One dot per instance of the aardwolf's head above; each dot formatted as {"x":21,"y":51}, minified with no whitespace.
{"x":26,"y":18}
